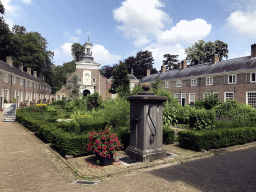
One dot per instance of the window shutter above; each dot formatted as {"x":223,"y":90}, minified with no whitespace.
{"x":248,"y":77}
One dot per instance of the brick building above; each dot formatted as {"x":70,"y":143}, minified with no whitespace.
{"x":22,"y":85}
{"x":89,"y":76}
{"x":229,"y":79}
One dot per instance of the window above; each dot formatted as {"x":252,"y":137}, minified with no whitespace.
{"x":207,"y":94}
{"x":231,"y":79}
{"x":88,"y":51}
{"x":167,"y":84}
{"x":209,"y":81}
{"x":63,"y":96}
{"x":251,"y":98}
{"x":14,"y":94}
{"x":253,"y":77}
{"x":26,"y":83}
{"x":248,"y":77}
{"x":93,"y":80}
{"x":58,"y":97}
{"x":63,"y":91}
{"x":2,"y":93}
{"x":5,"y":78}
{"x":13,"y":80}
{"x":6,"y":94}
{"x":21,"y":81}
{"x":178,"y":83}
{"x":228,"y":95}
{"x":192,"y":97}
{"x":217,"y":94}
{"x":193,"y":82}
{"x":80,"y":80}
{"x":21,"y":96}
{"x":177,"y":95}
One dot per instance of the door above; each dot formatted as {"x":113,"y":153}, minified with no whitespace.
{"x":183,"y":99}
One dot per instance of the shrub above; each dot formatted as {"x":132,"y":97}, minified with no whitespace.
{"x":202,"y":119}
{"x":168,"y":135}
{"x":93,"y":101}
{"x":199,"y":104}
{"x":212,"y":139}
{"x":137,"y":88}
{"x":124,"y":135}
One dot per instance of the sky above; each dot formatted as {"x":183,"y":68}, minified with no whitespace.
{"x":121,"y":28}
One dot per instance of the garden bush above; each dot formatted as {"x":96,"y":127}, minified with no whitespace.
{"x":124,"y":135}
{"x":213,"y":139}
{"x":168,"y":135}
{"x":202,"y":119}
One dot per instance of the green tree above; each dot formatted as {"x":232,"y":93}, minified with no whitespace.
{"x":78,"y":51}
{"x":202,"y":52}
{"x":69,"y":67}
{"x":108,"y":70}
{"x":155,"y":85}
{"x":170,"y":61}
{"x":16,"y":29}
{"x":73,"y":87}
{"x":140,"y":63}
{"x":1,"y":8}
{"x":121,"y":82}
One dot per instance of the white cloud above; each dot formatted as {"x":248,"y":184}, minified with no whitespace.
{"x":141,"y":19}
{"x":243,"y":22}
{"x":102,"y":56}
{"x":63,"y":54}
{"x":187,"y":32}
{"x":79,"y":31}
{"x":27,"y":1}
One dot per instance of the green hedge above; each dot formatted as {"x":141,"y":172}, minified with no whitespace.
{"x":213,"y":139}
{"x":168,"y":135}
{"x":65,"y":143}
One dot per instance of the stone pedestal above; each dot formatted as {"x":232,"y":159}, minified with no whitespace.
{"x":146,"y":127}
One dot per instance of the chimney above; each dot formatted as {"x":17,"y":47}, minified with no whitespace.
{"x":35,"y":73}
{"x":163,"y":69}
{"x":29,"y":70}
{"x":253,"y":50}
{"x":179,"y":66}
{"x":9,"y":61}
{"x":21,"y":67}
{"x":132,"y":71}
{"x":183,"y":64}
{"x":215,"y":58}
{"x":148,"y":72}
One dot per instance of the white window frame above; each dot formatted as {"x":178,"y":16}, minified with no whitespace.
{"x":14,"y":94}
{"x":217,"y":93}
{"x":247,"y":77}
{"x":254,"y":105}
{"x":233,"y":77}
{"x":225,"y":97}
{"x":13,"y":80}
{"x":193,"y":82}
{"x":209,"y":81}
{"x":167,"y":84}
{"x":179,"y":83}
{"x":21,"y":82}
{"x":26,"y":83}
{"x":251,"y":77}
{"x":6,"y":78}
{"x":189,"y":98}
{"x":6,"y":96}
{"x":177,"y":95}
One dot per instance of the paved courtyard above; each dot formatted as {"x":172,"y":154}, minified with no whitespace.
{"x":27,"y":164}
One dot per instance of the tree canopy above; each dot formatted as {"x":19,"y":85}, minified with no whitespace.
{"x":108,"y":70}
{"x":140,"y":64}
{"x":202,"y":51}
{"x":78,"y":51}
{"x":170,"y":61}
{"x":121,"y":82}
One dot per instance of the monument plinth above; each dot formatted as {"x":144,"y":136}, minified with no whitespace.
{"x":146,"y":126}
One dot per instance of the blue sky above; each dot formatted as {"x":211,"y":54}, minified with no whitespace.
{"x":120,"y":28}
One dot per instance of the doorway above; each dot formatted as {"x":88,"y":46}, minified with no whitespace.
{"x":183,"y":99}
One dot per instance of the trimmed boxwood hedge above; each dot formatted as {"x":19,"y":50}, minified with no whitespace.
{"x":213,"y":139}
{"x":168,"y":135}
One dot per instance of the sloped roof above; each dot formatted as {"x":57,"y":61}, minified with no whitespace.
{"x":231,"y":65}
{"x":130,"y":76}
{"x":6,"y":67}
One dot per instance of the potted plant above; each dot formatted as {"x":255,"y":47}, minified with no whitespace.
{"x":104,"y":144}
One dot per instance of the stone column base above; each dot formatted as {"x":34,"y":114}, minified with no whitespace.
{"x":146,"y":155}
